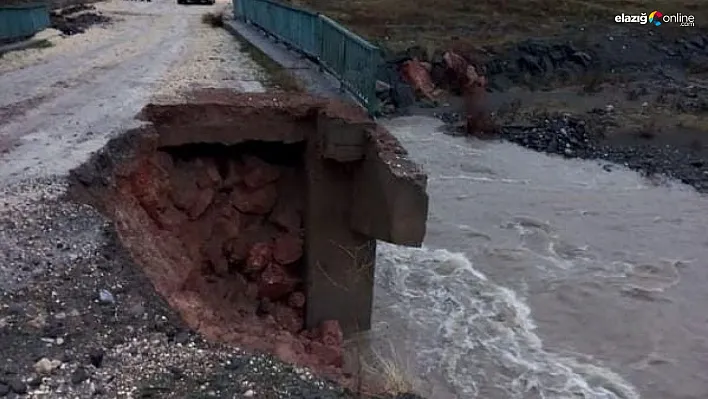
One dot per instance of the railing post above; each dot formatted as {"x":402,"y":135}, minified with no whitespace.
{"x":373,"y":65}
{"x":18,"y":21}
{"x":342,"y":62}
{"x":328,"y":42}
{"x":320,"y":42}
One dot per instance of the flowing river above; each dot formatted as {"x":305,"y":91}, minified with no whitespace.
{"x":543,"y":277}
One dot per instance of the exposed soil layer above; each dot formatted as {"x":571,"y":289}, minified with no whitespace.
{"x":232,"y":223}
{"x":215,"y":218}
{"x":218,"y":230}
{"x":79,"y":318}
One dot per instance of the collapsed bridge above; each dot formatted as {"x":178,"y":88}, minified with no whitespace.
{"x":256,"y":216}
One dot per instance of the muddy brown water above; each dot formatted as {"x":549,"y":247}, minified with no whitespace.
{"x":545,"y":278}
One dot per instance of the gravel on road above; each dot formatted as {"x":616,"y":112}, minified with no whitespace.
{"x":77,"y":317}
{"x":61,"y":104}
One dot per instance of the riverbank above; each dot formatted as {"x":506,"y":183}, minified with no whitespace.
{"x":579,"y":85}
{"x":564,"y":280}
{"x":604,"y":100}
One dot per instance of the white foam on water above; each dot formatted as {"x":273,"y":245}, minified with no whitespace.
{"x":479,"y":336}
{"x":479,"y":179}
{"x":585,"y":247}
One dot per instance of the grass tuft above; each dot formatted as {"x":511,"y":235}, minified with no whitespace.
{"x":391,"y":371}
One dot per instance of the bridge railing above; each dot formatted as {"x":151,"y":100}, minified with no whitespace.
{"x":22,"y":21}
{"x":348,"y":57}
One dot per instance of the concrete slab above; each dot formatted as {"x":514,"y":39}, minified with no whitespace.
{"x":6,"y":48}
{"x":315,"y":80}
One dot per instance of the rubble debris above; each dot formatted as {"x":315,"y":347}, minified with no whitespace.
{"x":76,"y":19}
{"x":418,"y":76}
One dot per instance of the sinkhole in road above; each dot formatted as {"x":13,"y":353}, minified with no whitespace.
{"x":219,"y":231}
{"x":256,"y":218}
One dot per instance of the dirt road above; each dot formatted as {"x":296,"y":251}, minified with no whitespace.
{"x":77,"y":318}
{"x":60,"y":103}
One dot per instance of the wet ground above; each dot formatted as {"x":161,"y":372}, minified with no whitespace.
{"x":151,"y":50}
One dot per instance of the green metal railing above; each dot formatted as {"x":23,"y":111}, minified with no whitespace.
{"x":20,"y":21}
{"x":348,"y":57}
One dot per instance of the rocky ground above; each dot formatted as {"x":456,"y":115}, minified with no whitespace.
{"x":578,"y":85}
{"x":641,"y":101}
{"x":78,"y":318}
{"x":621,"y":96}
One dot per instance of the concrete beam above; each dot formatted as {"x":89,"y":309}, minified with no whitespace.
{"x":391,"y":203}
{"x":342,"y":140}
{"x":360,"y":186}
{"x":339,"y":261}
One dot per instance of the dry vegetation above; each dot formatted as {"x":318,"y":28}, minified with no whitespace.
{"x":381,"y":370}
{"x":397,"y":24}
{"x":391,"y":370}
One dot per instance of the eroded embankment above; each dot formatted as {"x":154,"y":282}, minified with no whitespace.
{"x":213,"y":206}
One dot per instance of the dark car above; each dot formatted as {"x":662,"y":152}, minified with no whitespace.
{"x":210,"y":2}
